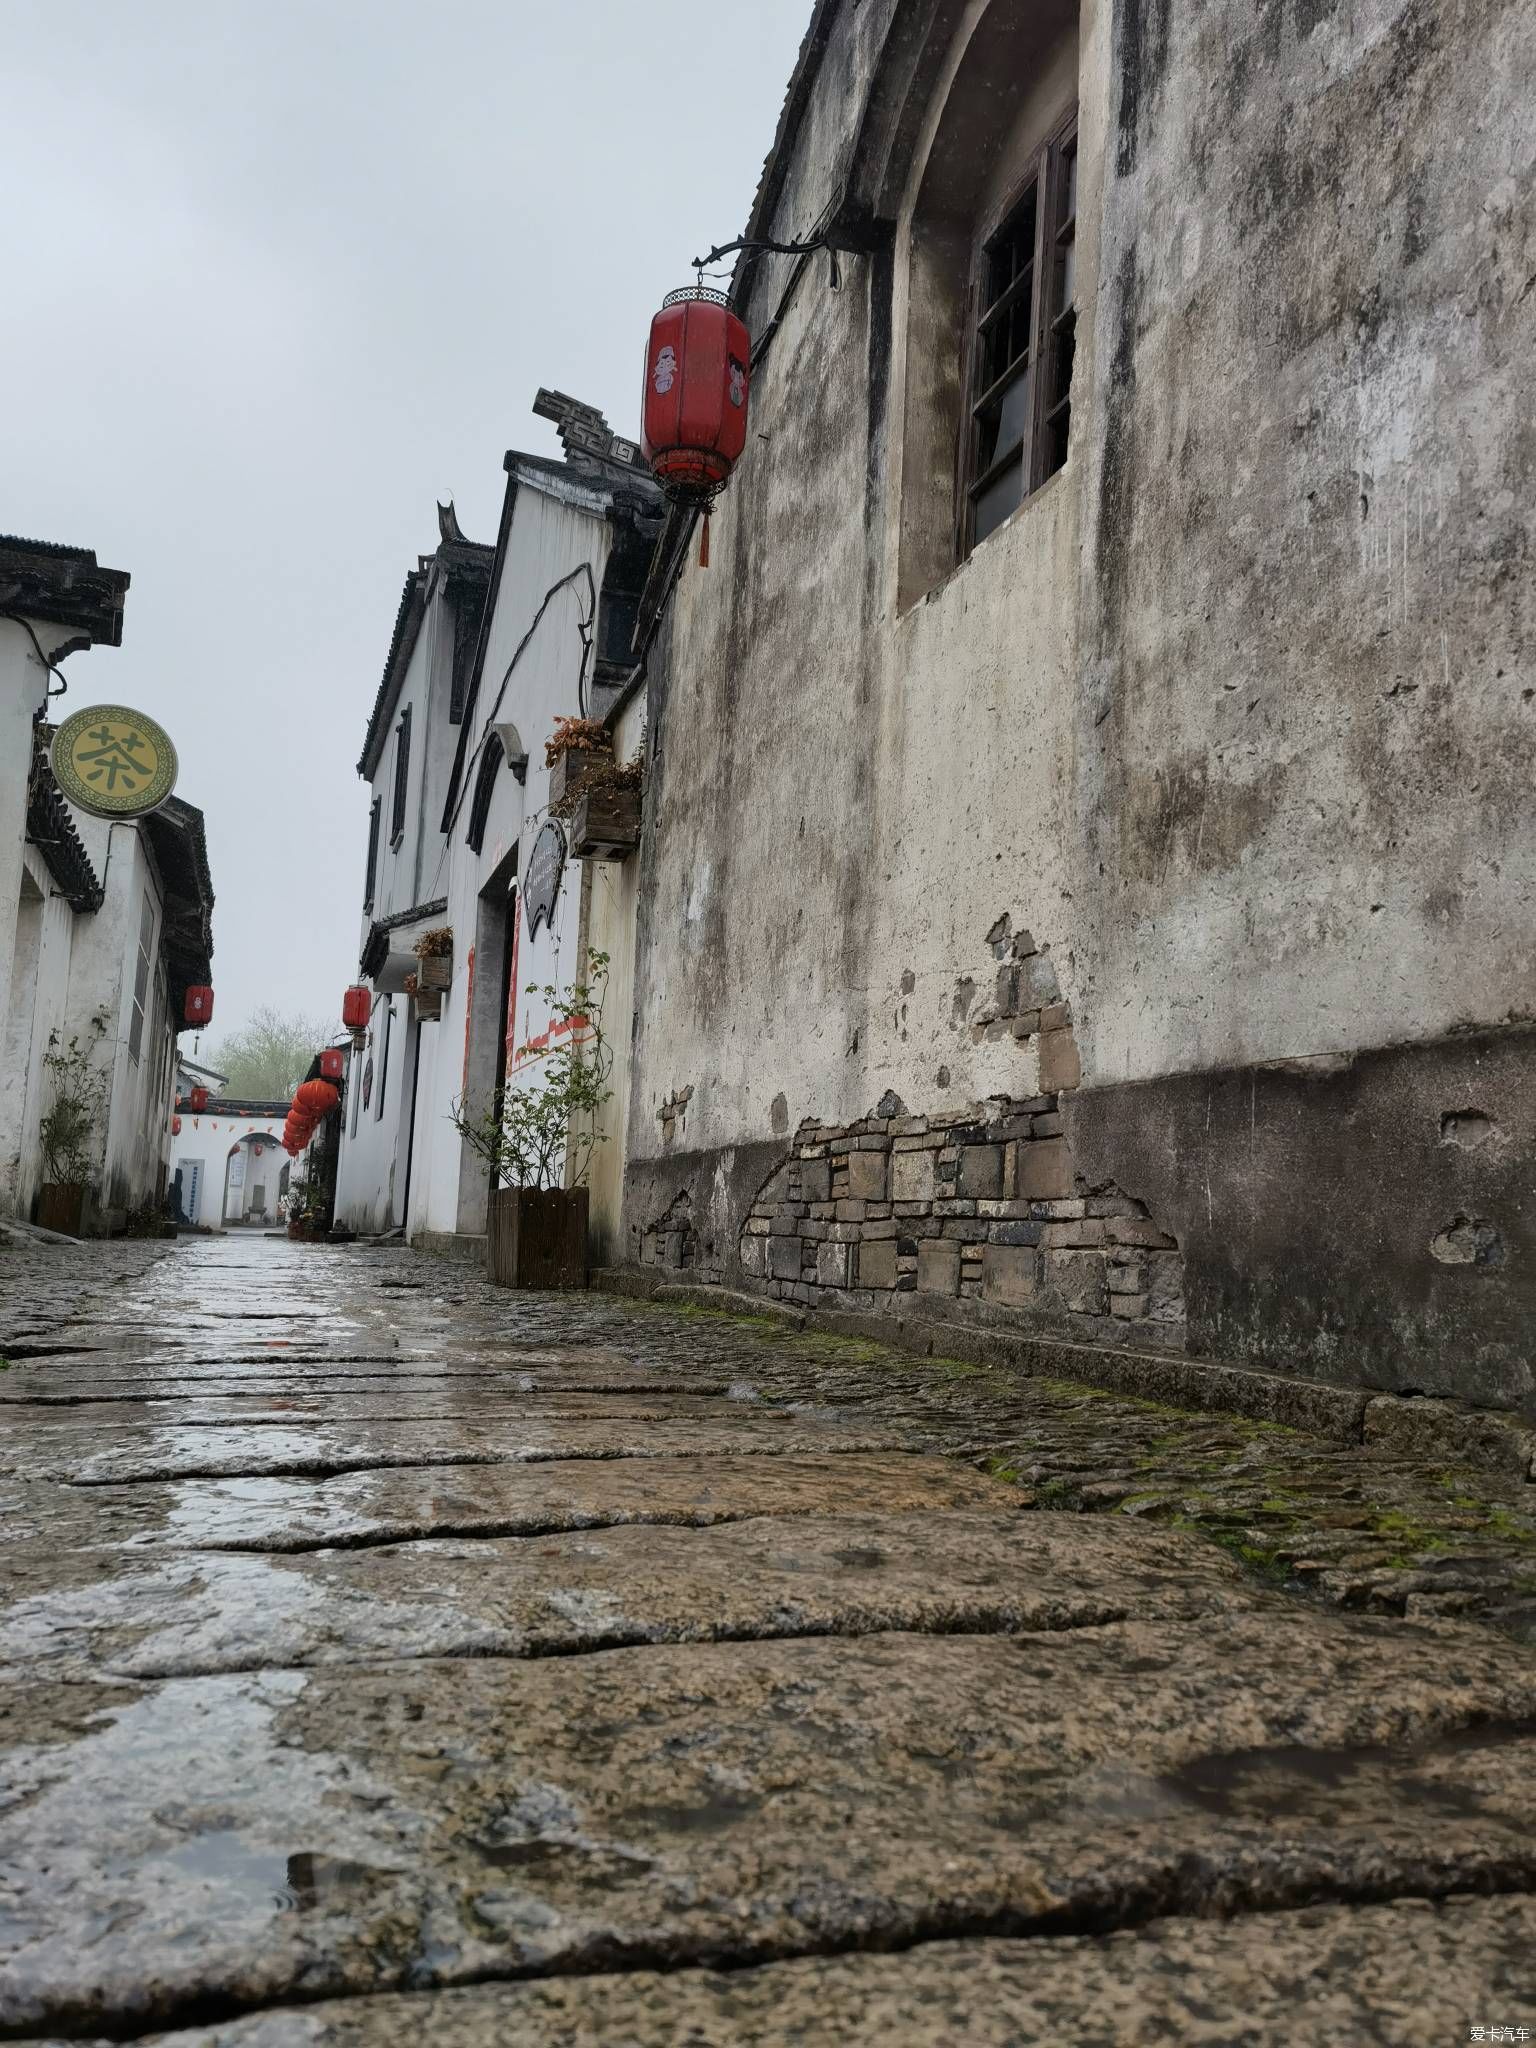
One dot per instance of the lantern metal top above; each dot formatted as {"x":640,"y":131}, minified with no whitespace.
{"x":695,"y":291}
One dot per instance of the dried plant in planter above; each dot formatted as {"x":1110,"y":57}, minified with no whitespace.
{"x":435,"y":952}
{"x":411,"y":984}
{"x":601,"y":772}
{"x":577,"y":736}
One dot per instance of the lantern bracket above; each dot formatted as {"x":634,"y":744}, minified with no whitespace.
{"x":756,"y":246}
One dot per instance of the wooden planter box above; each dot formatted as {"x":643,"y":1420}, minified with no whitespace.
{"x":537,"y":1237}
{"x":429,"y":1005}
{"x":61,"y":1207}
{"x":606,"y":825}
{"x":435,"y":971}
{"x":572,"y":770}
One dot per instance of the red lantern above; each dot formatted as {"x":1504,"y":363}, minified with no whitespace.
{"x":175,"y":1126}
{"x":315,"y":1099}
{"x":355,"y":1007}
{"x":695,"y":410}
{"x":333,"y":1063}
{"x":199,"y":1006}
{"x":198,"y":1100}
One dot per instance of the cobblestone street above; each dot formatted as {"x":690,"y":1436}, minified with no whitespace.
{"x":388,"y":1658}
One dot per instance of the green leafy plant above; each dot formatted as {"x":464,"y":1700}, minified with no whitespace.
{"x":545,"y":1131}
{"x":78,"y":1088}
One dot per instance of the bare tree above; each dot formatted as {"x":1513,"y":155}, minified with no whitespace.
{"x":269,"y":1057}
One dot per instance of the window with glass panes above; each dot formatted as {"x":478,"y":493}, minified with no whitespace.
{"x":1020,"y":400}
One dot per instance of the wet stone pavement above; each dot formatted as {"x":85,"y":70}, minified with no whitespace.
{"x":385,"y":1659}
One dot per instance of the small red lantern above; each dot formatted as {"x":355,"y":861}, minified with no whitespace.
{"x":355,"y":1007}
{"x":198,"y":1101}
{"x":198,"y":1008}
{"x":175,"y":1126}
{"x":333,"y":1063}
{"x":697,"y":368}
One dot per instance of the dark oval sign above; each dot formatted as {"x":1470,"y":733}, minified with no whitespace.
{"x":541,"y":884}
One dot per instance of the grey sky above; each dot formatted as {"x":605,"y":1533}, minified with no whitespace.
{"x":278,"y":276}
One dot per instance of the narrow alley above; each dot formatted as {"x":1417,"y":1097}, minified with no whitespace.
{"x":388,"y":1659}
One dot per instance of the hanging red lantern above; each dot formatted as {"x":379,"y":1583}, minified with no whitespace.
{"x":315,"y":1099}
{"x":333,"y":1063}
{"x":198,"y":1007}
{"x":198,"y":1101}
{"x":355,"y":1007}
{"x":697,"y":368}
{"x":175,"y":1126}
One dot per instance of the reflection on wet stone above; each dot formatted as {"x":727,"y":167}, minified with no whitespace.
{"x":564,"y":1640}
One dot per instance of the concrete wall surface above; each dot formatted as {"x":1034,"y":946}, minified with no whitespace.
{"x":1214,"y":758}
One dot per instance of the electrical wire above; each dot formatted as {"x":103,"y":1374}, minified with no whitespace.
{"x":47,"y":660}
{"x":586,"y":626}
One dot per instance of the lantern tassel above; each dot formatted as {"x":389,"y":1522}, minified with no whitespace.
{"x":704,"y":541}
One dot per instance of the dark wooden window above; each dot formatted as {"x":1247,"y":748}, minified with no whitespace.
{"x":1019,"y":404}
{"x":491,"y":761}
{"x":402,"y":777}
{"x":389,"y":1019}
{"x":371,"y":879}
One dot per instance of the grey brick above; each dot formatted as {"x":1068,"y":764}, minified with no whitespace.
{"x":938,"y":1267}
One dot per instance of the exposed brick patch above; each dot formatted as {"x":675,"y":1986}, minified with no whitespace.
{"x":982,"y":1204}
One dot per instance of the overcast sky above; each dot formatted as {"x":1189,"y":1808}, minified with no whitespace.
{"x":281,"y":275}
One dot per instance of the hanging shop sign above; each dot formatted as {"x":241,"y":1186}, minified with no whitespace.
{"x":113,"y":761}
{"x":542,"y":883}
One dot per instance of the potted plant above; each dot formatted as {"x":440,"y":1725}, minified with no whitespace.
{"x":67,"y":1130}
{"x":435,"y":952}
{"x":304,"y":1208}
{"x":539,"y":1139}
{"x":576,"y":749}
{"x":605,"y":821}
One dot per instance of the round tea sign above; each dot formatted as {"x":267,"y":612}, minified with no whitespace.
{"x":113,"y":761}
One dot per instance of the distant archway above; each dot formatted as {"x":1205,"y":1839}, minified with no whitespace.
{"x":253,"y":1180}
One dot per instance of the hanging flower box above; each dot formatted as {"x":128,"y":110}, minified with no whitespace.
{"x":606,"y":825}
{"x":435,"y":952}
{"x":574,"y":770}
{"x":429,"y":1005}
{"x":577,"y":749}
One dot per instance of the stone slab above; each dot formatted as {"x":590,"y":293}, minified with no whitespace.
{"x":239,"y":1841}
{"x":397,"y":1505}
{"x":1404,"y":1975}
{"x":955,"y":1574}
{"x":137,"y":1452}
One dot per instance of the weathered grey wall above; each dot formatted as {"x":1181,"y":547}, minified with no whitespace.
{"x":1234,"y":716}
{"x":1307,"y":722}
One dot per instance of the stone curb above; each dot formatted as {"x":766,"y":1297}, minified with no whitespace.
{"x":1418,"y":1426}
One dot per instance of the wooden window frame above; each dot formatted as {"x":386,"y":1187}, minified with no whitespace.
{"x":1051,"y":327}
{"x":143,"y":976}
{"x":375,"y":824}
{"x":400,"y":793}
